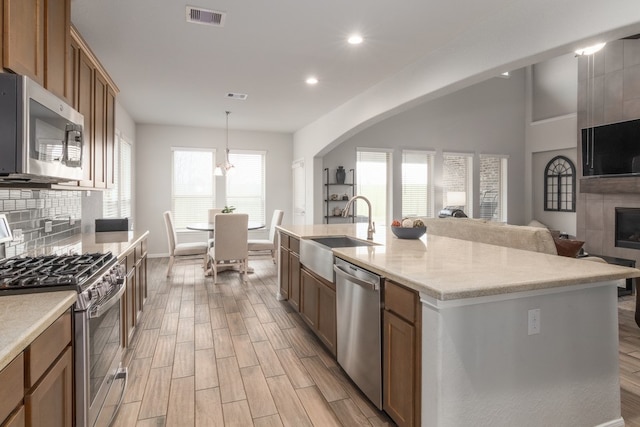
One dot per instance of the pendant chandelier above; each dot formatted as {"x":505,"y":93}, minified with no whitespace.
{"x":226,"y":167}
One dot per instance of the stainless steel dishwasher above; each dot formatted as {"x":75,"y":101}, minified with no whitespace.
{"x":359,"y":330}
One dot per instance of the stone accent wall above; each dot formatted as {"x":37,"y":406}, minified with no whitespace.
{"x":27,"y":210}
{"x":608,"y":92}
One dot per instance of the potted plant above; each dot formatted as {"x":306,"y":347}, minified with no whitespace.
{"x":228,"y":209}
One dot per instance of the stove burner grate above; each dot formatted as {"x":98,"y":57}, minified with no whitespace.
{"x":48,"y":273}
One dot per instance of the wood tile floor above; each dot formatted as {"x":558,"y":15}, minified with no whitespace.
{"x":230,"y":354}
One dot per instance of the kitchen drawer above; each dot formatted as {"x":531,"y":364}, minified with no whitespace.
{"x":400,"y":300}
{"x":12,"y":389}
{"x":46,"y":348}
{"x":294,"y":245}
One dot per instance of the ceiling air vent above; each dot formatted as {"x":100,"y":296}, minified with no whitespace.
{"x":198,"y":15}
{"x":240,"y":96}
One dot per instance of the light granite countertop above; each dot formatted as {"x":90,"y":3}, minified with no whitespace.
{"x":117,"y":242}
{"x":24,"y":317}
{"x":449,"y":269}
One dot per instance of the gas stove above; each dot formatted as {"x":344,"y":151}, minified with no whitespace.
{"x":51,"y":272}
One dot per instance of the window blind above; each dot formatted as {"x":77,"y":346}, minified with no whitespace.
{"x":372,"y":176}
{"x":192,"y":186}
{"x":417,"y":183}
{"x":246,"y":184}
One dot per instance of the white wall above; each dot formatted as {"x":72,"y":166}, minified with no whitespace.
{"x":487,"y":118}
{"x":563,"y":221}
{"x":153,"y":172}
{"x":550,"y":134}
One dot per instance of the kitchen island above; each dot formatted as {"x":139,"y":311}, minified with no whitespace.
{"x":508,"y":337}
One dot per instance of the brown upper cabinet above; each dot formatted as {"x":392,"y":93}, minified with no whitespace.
{"x":57,"y":24}
{"x":23,"y":51}
{"x":36,"y":42}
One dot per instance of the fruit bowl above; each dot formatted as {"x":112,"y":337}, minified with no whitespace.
{"x":408,"y":232}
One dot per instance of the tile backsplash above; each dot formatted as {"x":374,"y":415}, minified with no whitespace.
{"x":28,"y":210}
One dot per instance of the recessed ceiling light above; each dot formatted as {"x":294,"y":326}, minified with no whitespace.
{"x":311,"y":80}
{"x":355,"y":39}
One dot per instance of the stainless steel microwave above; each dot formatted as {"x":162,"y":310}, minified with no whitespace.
{"x":41,"y":136}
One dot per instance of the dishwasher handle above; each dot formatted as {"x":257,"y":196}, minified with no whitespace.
{"x":350,"y":277}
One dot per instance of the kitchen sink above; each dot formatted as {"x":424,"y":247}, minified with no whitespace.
{"x":316,"y":254}
{"x":341,"y":242}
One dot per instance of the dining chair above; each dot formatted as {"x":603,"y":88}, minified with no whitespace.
{"x":181,"y":249}
{"x":269,"y":244}
{"x":211,"y":217}
{"x":231,"y":249}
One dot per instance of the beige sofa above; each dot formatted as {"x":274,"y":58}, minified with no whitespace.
{"x":536,"y":239}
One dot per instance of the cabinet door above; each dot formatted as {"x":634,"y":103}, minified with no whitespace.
{"x":109,"y":138}
{"x":284,"y":273}
{"x":140,"y":291}
{"x":84,"y":88}
{"x":327,"y":316}
{"x":99,"y":130}
{"x":57,"y":77}
{"x":50,"y":403}
{"x":24,"y":38}
{"x":399,"y":370}
{"x":309,"y":298}
{"x":17,"y":419}
{"x":12,"y":389}
{"x":130,"y":304}
{"x":294,"y":280}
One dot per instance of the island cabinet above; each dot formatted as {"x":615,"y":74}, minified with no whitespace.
{"x":134,"y":263}
{"x":290,"y":269}
{"x":318,"y":307}
{"x":36,"y":42}
{"x":37,"y":385}
{"x":401,"y":354}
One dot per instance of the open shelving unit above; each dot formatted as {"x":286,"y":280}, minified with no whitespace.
{"x":348,"y":189}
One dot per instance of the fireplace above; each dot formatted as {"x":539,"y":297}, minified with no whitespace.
{"x":628,"y":228}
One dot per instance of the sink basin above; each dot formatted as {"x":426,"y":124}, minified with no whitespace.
{"x":316,"y":254}
{"x":341,"y":242}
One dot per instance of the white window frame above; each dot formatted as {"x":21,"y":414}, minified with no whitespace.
{"x":389,"y":186}
{"x":468,"y":207}
{"x":256,"y":215}
{"x":120,"y":206}
{"x":429,"y":157}
{"x":209,"y":199}
{"x":503,"y":187}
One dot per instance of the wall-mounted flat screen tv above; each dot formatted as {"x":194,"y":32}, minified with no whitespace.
{"x":611,"y":150}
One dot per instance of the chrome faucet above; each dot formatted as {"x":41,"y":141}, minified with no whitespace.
{"x":372,"y":226}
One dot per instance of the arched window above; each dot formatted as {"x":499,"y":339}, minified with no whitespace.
{"x":560,"y":185}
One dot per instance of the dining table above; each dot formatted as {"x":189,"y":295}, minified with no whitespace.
{"x":210,"y":226}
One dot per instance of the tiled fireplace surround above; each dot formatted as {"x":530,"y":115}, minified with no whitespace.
{"x":596,"y":223}
{"x":611,"y":91}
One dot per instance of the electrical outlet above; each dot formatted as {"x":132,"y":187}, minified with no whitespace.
{"x":18,"y":237}
{"x":533,"y":321}
{"x":48,"y":226}
{"x":72,"y":220}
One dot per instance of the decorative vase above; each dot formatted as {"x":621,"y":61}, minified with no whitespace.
{"x":340,"y":175}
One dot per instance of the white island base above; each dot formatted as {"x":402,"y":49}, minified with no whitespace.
{"x":481,"y":367}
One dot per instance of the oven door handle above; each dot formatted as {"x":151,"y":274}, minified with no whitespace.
{"x":98,"y":311}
